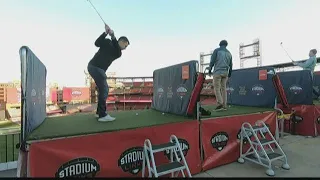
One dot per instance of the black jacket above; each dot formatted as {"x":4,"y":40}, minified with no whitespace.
{"x":109,"y":51}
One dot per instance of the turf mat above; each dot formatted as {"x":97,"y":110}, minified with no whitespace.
{"x":86,"y":123}
{"x":236,"y":110}
{"x":8,"y":124}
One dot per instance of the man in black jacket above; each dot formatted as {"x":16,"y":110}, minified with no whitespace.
{"x":109,"y":50}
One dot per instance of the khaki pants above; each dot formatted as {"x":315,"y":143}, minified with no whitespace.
{"x":220,"y":88}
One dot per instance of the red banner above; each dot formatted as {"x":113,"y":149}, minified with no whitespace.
{"x":221,"y":137}
{"x":113,"y":154}
{"x":76,"y":94}
{"x":307,"y":127}
{"x":317,"y":119}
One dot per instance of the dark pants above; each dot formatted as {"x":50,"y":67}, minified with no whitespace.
{"x":100,"y":78}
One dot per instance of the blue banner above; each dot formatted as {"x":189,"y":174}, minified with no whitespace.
{"x":297,"y":86}
{"x":252,"y":87}
{"x":172,"y":87}
{"x":33,"y":92}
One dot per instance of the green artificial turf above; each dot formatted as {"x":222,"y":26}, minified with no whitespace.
{"x":236,"y":110}
{"x":86,"y":123}
{"x":316,"y":102}
{"x":8,"y":124}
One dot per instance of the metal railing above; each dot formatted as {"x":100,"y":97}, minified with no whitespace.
{"x":9,"y":138}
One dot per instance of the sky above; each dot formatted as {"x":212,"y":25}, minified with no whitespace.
{"x":161,"y":32}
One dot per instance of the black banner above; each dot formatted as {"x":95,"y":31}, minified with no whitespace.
{"x":172,"y":87}
{"x":297,"y":86}
{"x":252,"y":87}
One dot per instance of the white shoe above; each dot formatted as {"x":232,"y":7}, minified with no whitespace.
{"x":107,"y":118}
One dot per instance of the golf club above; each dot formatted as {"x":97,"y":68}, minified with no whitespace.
{"x":286,"y":52}
{"x":96,"y":11}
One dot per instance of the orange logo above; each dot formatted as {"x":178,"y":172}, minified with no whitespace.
{"x":185,"y":72}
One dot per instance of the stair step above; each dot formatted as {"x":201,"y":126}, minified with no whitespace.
{"x":163,"y":147}
{"x":264,"y":141}
{"x":257,"y":127}
{"x":169,"y":168}
{"x":271,"y":155}
{"x":274,"y":155}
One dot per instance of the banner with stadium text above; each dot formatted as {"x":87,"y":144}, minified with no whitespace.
{"x":115,"y":154}
{"x":221,"y":137}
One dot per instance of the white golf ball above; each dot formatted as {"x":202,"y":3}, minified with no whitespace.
{"x":137,"y":114}
{"x":162,"y":113}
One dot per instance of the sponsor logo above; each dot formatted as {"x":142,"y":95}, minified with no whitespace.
{"x":169,"y":93}
{"x":230,"y":90}
{"x":242,"y":90}
{"x":182,"y":91}
{"x":131,"y":160}
{"x":34,"y":97}
{"x":295,"y":89}
{"x":160,"y":92}
{"x":76,"y":93}
{"x":257,"y":89}
{"x":219,"y":140}
{"x":184,"y":147}
{"x":33,"y":93}
{"x":80,"y":167}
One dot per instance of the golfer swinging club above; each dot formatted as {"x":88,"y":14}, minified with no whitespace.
{"x":109,"y":50}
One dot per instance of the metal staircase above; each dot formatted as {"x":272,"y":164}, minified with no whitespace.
{"x":261,"y":150}
{"x":174,"y":166}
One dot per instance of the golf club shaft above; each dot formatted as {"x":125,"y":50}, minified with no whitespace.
{"x":286,"y":52}
{"x":96,"y":11}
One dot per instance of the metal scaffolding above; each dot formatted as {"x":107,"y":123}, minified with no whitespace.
{"x":256,"y":52}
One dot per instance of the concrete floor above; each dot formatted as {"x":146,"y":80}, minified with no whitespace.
{"x":302,"y":153}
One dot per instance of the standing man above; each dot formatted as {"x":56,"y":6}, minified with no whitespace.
{"x":310,"y":64}
{"x":109,"y":50}
{"x":221,"y":60}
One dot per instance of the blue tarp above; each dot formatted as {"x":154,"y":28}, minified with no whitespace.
{"x":245,"y":89}
{"x":297,"y":86}
{"x":171,"y":92}
{"x":33,"y":91}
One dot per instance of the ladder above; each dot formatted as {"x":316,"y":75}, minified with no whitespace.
{"x":261,"y":151}
{"x":173,"y":167}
